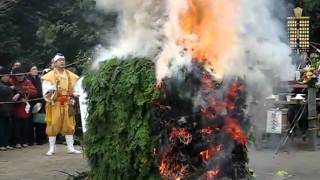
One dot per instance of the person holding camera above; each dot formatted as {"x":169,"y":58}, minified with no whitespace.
{"x":23,"y":91}
{"x":38,"y":113}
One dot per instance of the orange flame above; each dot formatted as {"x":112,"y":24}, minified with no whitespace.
{"x":233,"y":128}
{"x":230,"y":106}
{"x":212,"y":173}
{"x":231,"y":96}
{"x":216,"y":104}
{"x":182,"y":134}
{"x":206,"y":155}
{"x":207,"y":113}
{"x":212,"y":25}
{"x":208,"y":131}
{"x":162,"y":168}
{"x":206,"y":82}
{"x":233,"y":90}
{"x":173,"y":171}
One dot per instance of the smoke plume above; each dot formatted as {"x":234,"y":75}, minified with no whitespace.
{"x":248,"y":39}
{"x":242,"y":38}
{"x":231,"y":38}
{"x":139,"y":28}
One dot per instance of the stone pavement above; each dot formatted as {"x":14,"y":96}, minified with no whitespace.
{"x":32,"y":164}
{"x":300,"y":164}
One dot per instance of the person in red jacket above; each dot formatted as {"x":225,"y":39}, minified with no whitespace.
{"x":24,"y":90}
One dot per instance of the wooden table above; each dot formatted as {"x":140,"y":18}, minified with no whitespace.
{"x":292,"y":102}
{"x":293,"y":84}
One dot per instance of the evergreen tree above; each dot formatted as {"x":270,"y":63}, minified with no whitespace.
{"x":35,"y":30}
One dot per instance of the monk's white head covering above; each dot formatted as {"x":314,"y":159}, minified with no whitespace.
{"x":57,"y":57}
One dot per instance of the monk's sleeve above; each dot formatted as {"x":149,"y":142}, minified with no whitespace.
{"x":78,"y":89}
{"x":47,"y":87}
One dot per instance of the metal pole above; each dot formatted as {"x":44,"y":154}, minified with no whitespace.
{"x":312,"y":117}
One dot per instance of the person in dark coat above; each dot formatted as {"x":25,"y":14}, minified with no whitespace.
{"x":25,"y":90}
{"x":39,"y":125}
{"x":6,"y":94}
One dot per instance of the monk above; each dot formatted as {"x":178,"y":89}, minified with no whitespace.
{"x":58,"y":87}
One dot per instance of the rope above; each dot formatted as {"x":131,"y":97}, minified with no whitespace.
{"x":317,"y":49}
{"x":315,"y":43}
{"x":41,"y":71}
{"x":15,"y":102}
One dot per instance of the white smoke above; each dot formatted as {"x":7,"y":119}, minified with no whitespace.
{"x":263,"y":54}
{"x":262,"y":51}
{"x":139,"y":28}
{"x":146,"y":26}
{"x":151,"y":29}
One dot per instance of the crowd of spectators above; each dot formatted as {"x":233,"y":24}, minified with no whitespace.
{"x":21,"y":107}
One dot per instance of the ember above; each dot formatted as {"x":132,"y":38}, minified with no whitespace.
{"x":182,"y":134}
{"x":208,"y":131}
{"x":211,"y":174}
{"x":234,"y":130}
{"x":201,"y":134}
{"x":171,"y":171}
{"x":196,"y":137}
{"x":206,"y":155}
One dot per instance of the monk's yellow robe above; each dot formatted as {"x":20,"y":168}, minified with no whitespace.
{"x":59,"y":116}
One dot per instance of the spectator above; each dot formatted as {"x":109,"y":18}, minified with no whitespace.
{"x":24,"y":90}
{"x":17,"y":64}
{"x":6,"y":94}
{"x":37,"y":107}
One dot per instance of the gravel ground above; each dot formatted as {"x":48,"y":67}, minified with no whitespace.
{"x":32,"y":164}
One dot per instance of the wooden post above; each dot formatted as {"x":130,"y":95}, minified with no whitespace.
{"x":312,"y":117}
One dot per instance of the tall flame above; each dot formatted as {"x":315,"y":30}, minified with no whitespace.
{"x":212,"y":26}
